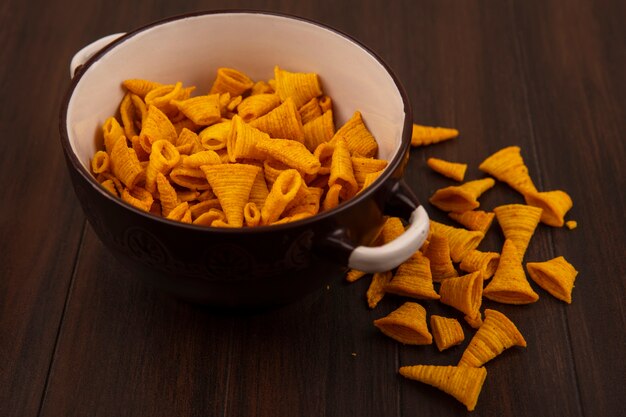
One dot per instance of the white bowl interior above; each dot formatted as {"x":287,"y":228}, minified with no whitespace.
{"x":191,"y":49}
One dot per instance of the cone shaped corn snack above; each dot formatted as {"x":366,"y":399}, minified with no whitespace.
{"x":509,"y":284}
{"x":463,"y":293}
{"x":462,"y":382}
{"x":413,"y":279}
{"x":447,"y":332}
{"x":407,"y":325}
{"x":452,"y":170}
{"x":428,"y":135}
{"x":556,"y":276}
{"x":497,"y":334}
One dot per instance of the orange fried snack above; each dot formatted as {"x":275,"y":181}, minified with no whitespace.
{"x":167,"y":139}
{"x":413,"y":279}
{"x":556,"y":276}
{"x":508,"y":166}
{"x":310,"y":110}
{"x":453,"y":170}
{"x":474,"y":321}
{"x":428,"y":135}
{"x":112,"y":131}
{"x":242,"y":141}
{"x":299,"y":86}
{"x":407,"y":325}
{"x":163,"y":158}
{"x":140,"y":87}
{"x":255,"y":106}
{"x":231,"y":183}
{"x":100,"y":162}
{"x":354,"y":274}
{"x":555,"y":204}
{"x":461,"y":241}
{"x":167,"y":194}
{"x":341,"y":170}
{"x":232,"y":81}
{"x":447,"y":332}
{"x":518,"y":223}
{"x":497,"y":334}
{"x":463,"y":293}
{"x":282,"y":122}
{"x":509,"y":284}
{"x":156,"y":126}
{"x":438,"y":253}
{"x":571,"y":224}
{"x":291,"y":153}
{"x":461,"y":198}
{"x":462,"y":382}
{"x":181,"y":213}
{"x":376,"y":290}
{"x":124,"y":163}
{"x":474,"y":220}
{"x":202,"y":110}
{"x":213,"y":137}
{"x":362,"y":167}
{"x":359,"y":139}
{"x":129,"y":115}
{"x":485,"y":262}
{"x":138,"y":197}
{"x":283,"y":192}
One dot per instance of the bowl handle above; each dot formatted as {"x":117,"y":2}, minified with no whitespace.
{"x":402,"y":203}
{"x":392,"y":254}
{"x":90,"y":50}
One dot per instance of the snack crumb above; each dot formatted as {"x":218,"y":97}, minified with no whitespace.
{"x":354,"y":354}
{"x":571,"y":224}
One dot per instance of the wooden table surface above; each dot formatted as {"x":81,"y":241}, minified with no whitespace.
{"x":79,"y":336}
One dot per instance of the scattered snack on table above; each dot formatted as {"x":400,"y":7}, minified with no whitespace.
{"x":461,"y":241}
{"x":555,"y":204}
{"x":428,"y":135}
{"x":354,"y":274}
{"x":461,"y":198}
{"x":445,"y":244}
{"x":571,"y":224}
{"x":474,"y":220}
{"x":413,"y":279}
{"x":485,"y":262}
{"x":407,"y":325}
{"x":463,"y":293}
{"x":453,"y":170}
{"x":446,"y":331}
{"x":508,"y":166}
{"x":509,"y":284}
{"x":474,"y":321}
{"x":518,"y":223}
{"x":496,"y":334}
{"x":556,"y":276}
{"x":376,"y":290}
{"x":438,"y":252}
{"x":462,"y":382}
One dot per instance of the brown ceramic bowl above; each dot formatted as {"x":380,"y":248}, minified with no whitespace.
{"x":245,"y":267}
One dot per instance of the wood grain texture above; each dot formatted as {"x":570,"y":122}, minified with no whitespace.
{"x":80,"y":336}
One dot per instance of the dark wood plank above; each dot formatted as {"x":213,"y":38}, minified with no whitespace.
{"x":40,"y":221}
{"x":125,"y":350}
{"x":574,"y":63}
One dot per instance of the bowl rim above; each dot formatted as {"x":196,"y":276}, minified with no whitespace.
{"x":346,"y":205}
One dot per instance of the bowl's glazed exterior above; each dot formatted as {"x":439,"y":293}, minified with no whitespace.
{"x":246,"y":267}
